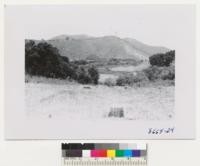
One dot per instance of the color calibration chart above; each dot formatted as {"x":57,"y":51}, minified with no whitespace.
{"x":104,"y":154}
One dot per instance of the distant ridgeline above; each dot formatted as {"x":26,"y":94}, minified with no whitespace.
{"x":52,"y":59}
{"x":79,"y":47}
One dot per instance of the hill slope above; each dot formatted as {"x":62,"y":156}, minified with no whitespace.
{"x":78,"y":47}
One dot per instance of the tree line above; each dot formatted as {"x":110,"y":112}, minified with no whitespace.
{"x":42,"y":59}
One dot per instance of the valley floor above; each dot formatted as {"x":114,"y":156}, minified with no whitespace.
{"x":69,"y":100}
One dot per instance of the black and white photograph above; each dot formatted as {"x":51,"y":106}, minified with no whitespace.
{"x":104,"y":65}
{"x":108,"y":77}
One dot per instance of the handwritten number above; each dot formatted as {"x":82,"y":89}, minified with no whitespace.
{"x":158,"y":131}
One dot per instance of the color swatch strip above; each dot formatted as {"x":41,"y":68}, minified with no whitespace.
{"x":104,"y":153}
{"x":108,"y":150}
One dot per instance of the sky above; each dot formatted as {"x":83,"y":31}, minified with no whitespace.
{"x":160,"y":25}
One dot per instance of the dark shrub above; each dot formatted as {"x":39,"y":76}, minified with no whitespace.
{"x":163,"y":73}
{"x":168,"y":73}
{"x":42,"y":59}
{"x":87,"y":75}
{"x":152,"y":73}
{"x":82,"y":76}
{"x":162,"y":59}
{"x":94,"y":74}
{"x":131,"y":79}
{"x":120,"y":81}
{"x":124,"y":80}
{"x":68,"y":71}
{"x":65,"y":59}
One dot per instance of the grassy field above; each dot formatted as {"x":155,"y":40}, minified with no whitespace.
{"x":50,"y":98}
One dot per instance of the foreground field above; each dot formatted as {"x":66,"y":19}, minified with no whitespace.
{"x":64,"y":99}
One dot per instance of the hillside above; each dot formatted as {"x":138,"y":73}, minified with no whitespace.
{"x":150,"y":50}
{"x":78,"y":47}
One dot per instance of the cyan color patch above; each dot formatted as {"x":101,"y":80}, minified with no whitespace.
{"x":127,"y":153}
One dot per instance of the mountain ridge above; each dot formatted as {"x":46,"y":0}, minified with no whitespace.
{"x":79,"y":47}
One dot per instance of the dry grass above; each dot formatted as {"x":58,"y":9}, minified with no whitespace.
{"x":65,"y":99}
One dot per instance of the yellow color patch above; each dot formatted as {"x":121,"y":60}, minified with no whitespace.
{"x":110,"y":153}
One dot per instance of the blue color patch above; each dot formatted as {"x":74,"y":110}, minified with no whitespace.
{"x":127,"y":153}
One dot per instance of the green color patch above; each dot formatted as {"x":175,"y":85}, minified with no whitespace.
{"x":119,"y":153}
